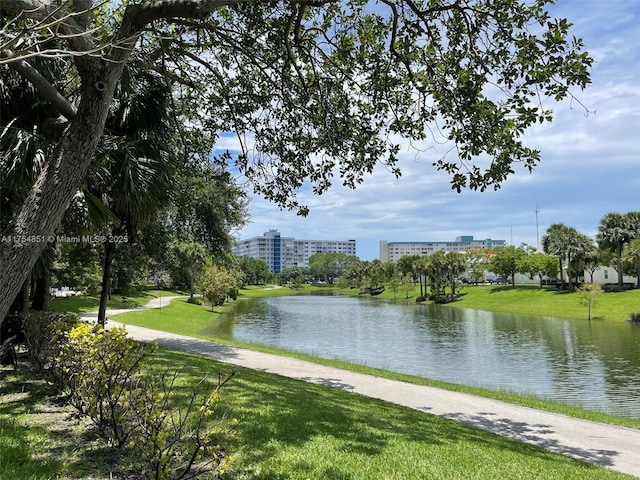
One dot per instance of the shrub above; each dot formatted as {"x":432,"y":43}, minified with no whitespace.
{"x":40,"y":332}
{"x":233,"y":293}
{"x":175,"y":443}
{"x":634,"y":317}
{"x":96,"y":367}
{"x":101,"y":372}
{"x":195,"y":301}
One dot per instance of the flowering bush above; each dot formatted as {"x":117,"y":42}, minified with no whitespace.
{"x":101,"y":372}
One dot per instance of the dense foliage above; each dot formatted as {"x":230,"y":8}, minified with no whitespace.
{"x":312,"y":90}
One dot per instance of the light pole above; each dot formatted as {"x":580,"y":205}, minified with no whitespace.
{"x":537,"y":210}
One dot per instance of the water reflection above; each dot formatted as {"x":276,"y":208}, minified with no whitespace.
{"x":595,"y":365}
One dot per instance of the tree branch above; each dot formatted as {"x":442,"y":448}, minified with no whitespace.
{"x":50,"y":16}
{"x":44,"y":87}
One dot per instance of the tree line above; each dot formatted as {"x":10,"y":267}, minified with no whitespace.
{"x":566,"y":255}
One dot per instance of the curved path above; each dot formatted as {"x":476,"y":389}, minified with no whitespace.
{"x":617,"y":448}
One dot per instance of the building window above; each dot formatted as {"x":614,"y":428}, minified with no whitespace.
{"x":606,"y":274}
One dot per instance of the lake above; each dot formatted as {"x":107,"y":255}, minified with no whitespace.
{"x":594,"y":365}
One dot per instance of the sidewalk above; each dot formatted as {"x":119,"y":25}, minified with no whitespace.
{"x":617,"y":448}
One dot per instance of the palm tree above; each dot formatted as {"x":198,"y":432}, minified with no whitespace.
{"x":437,"y":273}
{"x":134,"y":166}
{"x":631,"y":256}
{"x":456,"y":263}
{"x":614,"y":231}
{"x":420,"y":264}
{"x":554,"y":242}
{"x":579,"y":246}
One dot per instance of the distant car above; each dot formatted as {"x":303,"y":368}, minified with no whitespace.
{"x":466,"y":280}
{"x":501,"y":281}
{"x":490,"y":280}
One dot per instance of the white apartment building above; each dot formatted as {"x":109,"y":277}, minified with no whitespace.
{"x":282,"y":252}
{"x":392,"y":251}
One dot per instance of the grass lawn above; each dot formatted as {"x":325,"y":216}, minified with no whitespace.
{"x":288,"y":429}
{"x":91,"y":303}
{"x":531,"y":300}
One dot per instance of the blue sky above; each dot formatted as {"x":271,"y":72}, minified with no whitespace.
{"x":590,"y":164}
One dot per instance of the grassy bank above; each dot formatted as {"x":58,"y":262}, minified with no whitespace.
{"x":199,"y":321}
{"x":532,"y":300}
{"x":288,"y":429}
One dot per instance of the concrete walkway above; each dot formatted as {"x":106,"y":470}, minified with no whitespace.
{"x":616,"y":448}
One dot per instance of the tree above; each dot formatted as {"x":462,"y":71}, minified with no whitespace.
{"x":394,"y":285}
{"x":352,"y":278}
{"x":437,"y":271}
{"x":373,"y":276}
{"x":329,"y":266}
{"x":589,"y":296}
{"x":507,"y":262}
{"x":597,"y":258}
{"x":578,"y":247}
{"x":207,"y":205}
{"x":405,"y":264}
{"x":540,"y":265}
{"x":293,"y":276}
{"x":133,"y":171}
{"x":310,"y":88}
{"x":256,"y":271}
{"x":407,"y":284}
{"x":554,"y":242}
{"x":456,"y":263}
{"x":631,"y":256}
{"x":420,"y":266}
{"x":77,"y":267}
{"x":477,"y":261}
{"x":216,"y":285}
{"x":614,"y":231}
{"x":24,"y":147}
{"x":189,"y":260}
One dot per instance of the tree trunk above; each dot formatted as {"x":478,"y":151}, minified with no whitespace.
{"x":28,"y":233}
{"x":561,"y":274}
{"x":619,"y":265}
{"x":453,"y":288}
{"x":42,"y":291}
{"x":105,"y":294}
{"x":19,"y":304}
{"x":569,"y":272}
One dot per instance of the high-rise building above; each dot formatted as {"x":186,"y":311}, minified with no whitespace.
{"x":282,"y":252}
{"x":392,"y":251}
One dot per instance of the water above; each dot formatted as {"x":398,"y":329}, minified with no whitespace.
{"x":594,"y":365}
